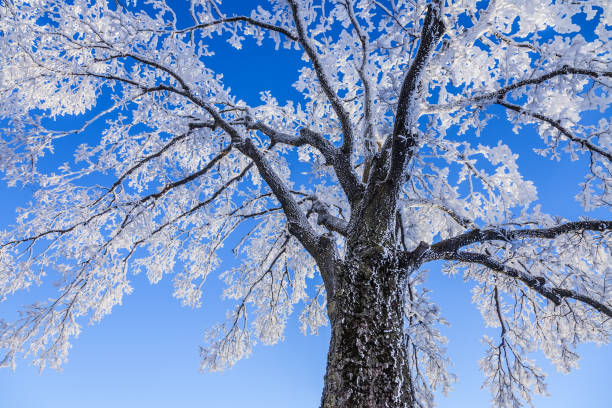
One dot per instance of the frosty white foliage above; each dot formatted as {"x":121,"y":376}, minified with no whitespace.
{"x":426,"y":344}
{"x":182,"y":165}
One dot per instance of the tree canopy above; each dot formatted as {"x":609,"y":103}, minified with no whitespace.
{"x":394,"y":96}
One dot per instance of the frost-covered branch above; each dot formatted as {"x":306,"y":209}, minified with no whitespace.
{"x":536,"y":283}
{"x":584,"y":143}
{"x":509,"y":373}
{"x":369,"y":132}
{"x":372,"y":171}
{"x":453,"y":244}
{"x":244,"y":19}
{"x":500,"y":94}
{"x":323,"y":77}
{"x":297,"y":222}
{"x":459,"y":219}
{"x":329,"y":221}
{"x":334,"y":157}
{"x":403,"y":136}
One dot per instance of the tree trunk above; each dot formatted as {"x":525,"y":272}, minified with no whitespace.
{"x":367,"y":360}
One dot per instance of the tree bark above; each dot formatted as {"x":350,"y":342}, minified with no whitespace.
{"x":367,"y":359}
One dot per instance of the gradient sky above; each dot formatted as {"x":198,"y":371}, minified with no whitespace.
{"x":145,"y":354}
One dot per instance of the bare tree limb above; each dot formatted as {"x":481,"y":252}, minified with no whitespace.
{"x":329,"y":221}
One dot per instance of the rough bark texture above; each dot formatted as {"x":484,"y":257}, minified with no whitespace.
{"x":367,"y":361}
{"x":366,"y":364}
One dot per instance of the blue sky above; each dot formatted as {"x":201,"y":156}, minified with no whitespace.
{"x":146,"y":352}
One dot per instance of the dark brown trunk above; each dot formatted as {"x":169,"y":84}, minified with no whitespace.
{"x":367,"y":361}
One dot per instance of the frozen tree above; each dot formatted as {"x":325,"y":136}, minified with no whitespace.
{"x":394,"y":94}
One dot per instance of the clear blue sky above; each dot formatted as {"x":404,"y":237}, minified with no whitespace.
{"x":145,"y":354}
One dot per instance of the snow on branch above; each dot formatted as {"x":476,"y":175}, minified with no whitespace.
{"x":245,"y":19}
{"x":403,"y":135}
{"x":474,"y":236}
{"x":323,"y":77}
{"x":536,"y":283}
{"x":377,"y":154}
{"x":583,"y":142}
{"x":500,"y":94}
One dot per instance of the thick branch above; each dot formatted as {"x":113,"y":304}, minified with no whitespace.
{"x":537,"y":284}
{"x":296,"y":219}
{"x":305,"y":137}
{"x":297,"y":222}
{"x":329,"y":221}
{"x":403,"y":139}
{"x":319,"y":247}
{"x":451,"y":245}
{"x":346,"y":175}
{"x":380,"y":197}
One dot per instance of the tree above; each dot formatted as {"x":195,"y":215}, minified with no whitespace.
{"x":394,"y":96}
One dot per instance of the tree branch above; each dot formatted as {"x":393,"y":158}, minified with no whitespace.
{"x":332,"y":97}
{"x":380,"y":197}
{"x":347,"y":177}
{"x":537,"y":284}
{"x":207,"y":201}
{"x":297,"y":222}
{"x":319,"y":247}
{"x":493,"y":97}
{"x":369,"y":131}
{"x":452,"y":245}
{"x":403,"y":139}
{"x":189,"y":178}
{"x":296,"y":219}
{"x":329,"y":221}
{"x":459,"y":219}
{"x":152,"y":156}
{"x":557,"y":125}
{"x":245,"y":19}
{"x":305,"y":137}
